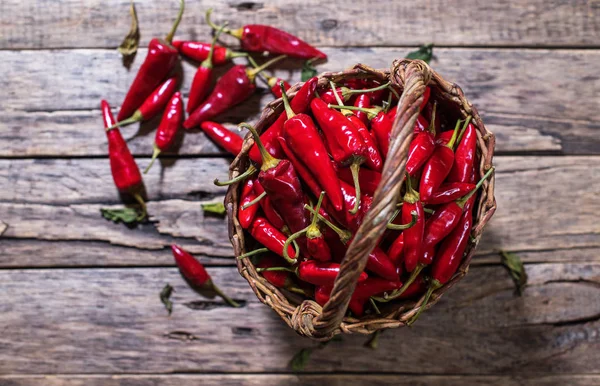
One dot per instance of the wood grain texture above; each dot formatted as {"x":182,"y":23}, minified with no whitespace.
{"x":51,"y":24}
{"x":111,"y":320}
{"x":298,"y":380}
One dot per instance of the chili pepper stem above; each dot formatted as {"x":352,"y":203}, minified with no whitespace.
{"x":155,"y":154}
{"x":339,"y":99}
{"x":462,"y":201}
{"x":171,"y":33}
{"x":136,"y":117}
{"x":227,"y":299}
{"x":253,"y":72}
{"x":344,"y":235}
{"x":432,"y":287}
{"x":275,"y":269}
{"x":290,"y":240}
{"x":255,"y":201}
{"x":250,"y":171}
{"x":464,"y":128}
{"x":235,"y":33}
{"x":207,"y":63}
{"x":355,"y":168}
{"x":411,"y":196}
{"x":389,"y":101}
{"x":252,"y":253}
{"x":367,"y":90}
{"x":140,"y":200}
{"x":371,"y":112}
{"x":401,"y":227}
{"x":268,"y":160}
{"x":286,"y":102}
{"x":413,"y":276}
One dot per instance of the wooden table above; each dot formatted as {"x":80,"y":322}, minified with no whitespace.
{"x":80,"y":294}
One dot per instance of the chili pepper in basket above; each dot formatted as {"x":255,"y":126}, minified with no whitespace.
{"x":368,"y":179}
{"x":422,"y":147}
{"x":304,"y":174}
{"x":396,"y":250}
{"x":202,"y":80}
{"x":246,"y":213}
{"x":167,"y":129}
{"x":381,"y":127}
{"x":422,"y":125}
{"x":346,"y":93}
{"x":344,"y":217}
{"x":464,"y":157}
{"x":302,"y":136}
{"x":373,"y":286}
{"x":274,"y":84}
{"x":426,"y":96}
{"x":234,"y":87}
{"x":417,"y":287}
{"x":124,"y":169}
{"x":344,"y":142}
{"x":444,"y":137}
{"x":226,"y":139}
{"x":438,"y":166}
{"x":269,"y":236}
{"x":299,"y":104}
{"x":323,"y":293}
{"x":278,"y":178}
{"x":195,"y":273}
{"x":413,"y":237}
{"x":449,"y":192}
{"x":280,"y":279}
{"x":153,"y":104}
{"x":362,"y":101}
{"x":321,"y":273}
{"x":160,"y":61}
{"x":261,"y":38}
{"x":267,"y":207}
{"x":199,"y":51}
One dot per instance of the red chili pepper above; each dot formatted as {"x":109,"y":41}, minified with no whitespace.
{"x":369,"y":180}
{"x":464,"y":157}
{"x":195,"y":273}
{"x":416,"y":288}
{"x":199,"y":51}
{"x":304,"y":174}
{"x":344,"y":217}
{"x":269,"y":236}
{"x":438,"y":167}
{"x":315,"y":241}
{"x":247,"y":213}
{"x":372,"y":287}
{"x":202,"y":80}
{"x":274,"y":84}
{"x":422,"y":125}
{"x":321,"y":273}
{"x":426,"y":95}
{"x":226,"y":139}
{"x":280,"y":279}
{"x":381,"y":127}
{"x":328,"y":96}
{"x":450,"y":192}
{"x":299,"y":105}
{"x":362,"y":101}
{"x":261,"y":38}
{"x":160,"y":61}
{"x":302,"y":136}
{"x":267,"y":207}
{"x":154,"y":104}
{"x":444,"y":137}
{"x":323,"y":293}
{"x":421,"y":147}
{"x":413,"y":236}
{"x":395,"y":252}
{"x":231,"y":89}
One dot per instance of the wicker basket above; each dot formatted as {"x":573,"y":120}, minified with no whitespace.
{"x":322,"y":323}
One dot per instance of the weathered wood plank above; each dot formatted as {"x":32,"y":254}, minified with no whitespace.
{"x":297,"y":380}
{"x":110,"y":320}
{"x":53,"y":25}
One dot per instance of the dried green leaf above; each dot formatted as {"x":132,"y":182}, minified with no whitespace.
{"x":217,"y":208}
{"x":515,"y":268}
{"x":308,"y":70}
{"x":124,"y":215}
{"x":425,"y":53}
{"x":165,"y":294}
{"x":300,"y":359}
{"x":130,"y":44}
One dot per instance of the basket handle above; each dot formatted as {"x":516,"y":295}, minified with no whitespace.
{"x":412,"y":76}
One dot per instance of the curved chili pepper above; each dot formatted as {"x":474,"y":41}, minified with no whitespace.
{"x":395,"y":252}
{"x":234,"y":87}
{"x":368,"y":179}
{"x":269,"y":236}
{"x":280,"y":279}
{"x":413,"y":237}
{"x":323,"y":293}
{"x":444,"y":137}
{"x":195,"y":273}
{"x":464,"y":157}
{"x":450,"y":192}
{"x":274,"y":84}
{"x":381,"y":127}
{"x":261,"y":38}
{"x":422,"y":125}
{"x":201,"y":83}
{"x":315,"y":242}
{"x":304,"y":174}
{"x":372,"y":287}
{"x":344,"y":217}
{"x":421,"y":147}
{"x":267,"y":207}
{"x":160,"y":61}
{"x":362,"y":101}
{"x":199,"y":51}
{"x":247,"y":213}
{"x":226,"y":139}
{"x":302,"y":136}
{"x":168,"y":127}
{"x":438,"y":167}
{"x":321,"y":273}
{"x":299,"y":104}
{"x":328,"y":96}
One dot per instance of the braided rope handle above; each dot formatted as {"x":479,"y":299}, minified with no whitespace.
{"x":412,"y":76}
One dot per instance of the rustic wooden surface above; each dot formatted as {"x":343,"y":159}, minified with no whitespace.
{"x":80,"y":294}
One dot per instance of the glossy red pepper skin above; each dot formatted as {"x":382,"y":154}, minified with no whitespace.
{"x":369,"y":180}
{"x":450,"y":192}
{"x":374,"y":286}
{"x":343,"y":140}
{"x":380,"y":264}
{"x":267,"y":206}
{"x":329,"y":97}
{"x":280,"y":279}
{"x":199,"y":51}
{"x":426,"y":96}
{"x":416,"y":288}
{"x":159,"y":98}
{"x":169,"y":125}
{"x":347,"y":220}
{"x":396,"y":249}
{"x":413,"y":236}
{"x":226,"y":139}
{"x":200,"y":87}
{"x":323,"y":293}
{"x":463,"y":169}
{"x":321,"y":273}
{"x":444,"y":137}
{"x":300,"y":104}
{"x":125,"y":172}
{"x":421,"y":149}
{"x":269,"y":236}
{"x":441,"y":223}
{"x":303,"y":137}
{"x":381,"y":127}
{"x":421,"y":124}
{"x":303,"y":173}
{"x":317,"y":248}
{"x":373,"y":159}
{"x":231,"y":89}
{"x":435,"y":171}
{"x":246,"y":216}
{"x":275,"y":86}
{"x":260,"y":38}
{"x":450,"y":253}
{"x":362,"y":101}
{"x":160,"y":61}
{"x":191,"y":268}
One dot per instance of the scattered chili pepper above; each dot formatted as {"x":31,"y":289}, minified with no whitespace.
{"x":195,"y":273}
{"x":449,"y":192}
{"x":299,"y":104}
{"x":234,"y":87}
{"x":261,"y":38}
{"x":267,"y":207}
{"x":166,"y":133}
{"x":199,"y":51}
{"x":421,"y":147}
{"x":368,"y":179}
{"x":160,"y":61}
{"x":246,"y":213}
{"x":464,"y":157}
{"x":321,"y":273}
{"x":226,"y":139}
{"x":269,"y":236}
{"x":274,"y":84}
